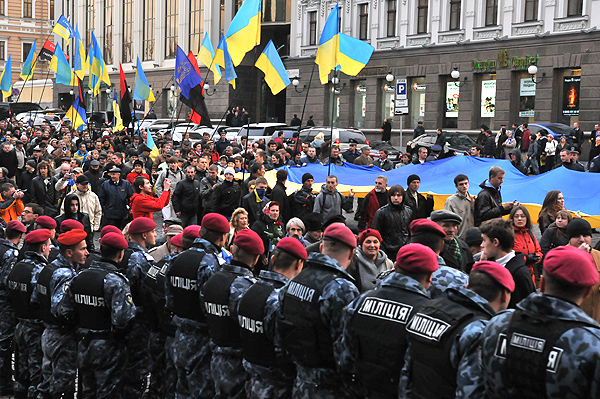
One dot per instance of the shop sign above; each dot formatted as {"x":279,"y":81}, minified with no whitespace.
{"x":571,"y":95}
{"x":488,"y":98}
{"x":418,"y":87}
{"x":361,"y":89}
{"x":527,"y":98}
{"x":504,"y":61}
{"x":452,"y":94}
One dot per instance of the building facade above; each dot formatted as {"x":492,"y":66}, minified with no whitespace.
{"x":491,"y":43}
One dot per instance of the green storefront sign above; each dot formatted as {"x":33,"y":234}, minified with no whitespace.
{"x":504,"y":61}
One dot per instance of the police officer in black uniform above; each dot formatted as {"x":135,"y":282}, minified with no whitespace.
{"x":374,"y":340}
{"x":21,"y":282}
{"x":271,"y":373}
{"x":98,"y":301}
{"x":8,"y":257}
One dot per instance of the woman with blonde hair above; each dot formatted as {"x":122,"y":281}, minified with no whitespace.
{"x":238,"y":222}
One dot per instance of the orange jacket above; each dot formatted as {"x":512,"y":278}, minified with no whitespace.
{"x":12,"y":210}
{"x":143,"y":205}
{"x":526,"y":242}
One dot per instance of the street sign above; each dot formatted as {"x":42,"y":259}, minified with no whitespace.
{"x":401,"y":89}
{"x":401,"y":103}
{"x":400,"y":110}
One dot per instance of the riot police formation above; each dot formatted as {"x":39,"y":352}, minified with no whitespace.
{"x":202,"y":323}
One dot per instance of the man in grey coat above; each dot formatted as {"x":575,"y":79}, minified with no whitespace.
{"x":462,"y":204}
{"x":330,"y":201}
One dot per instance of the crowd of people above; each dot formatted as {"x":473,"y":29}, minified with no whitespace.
{"x":251,"y":292}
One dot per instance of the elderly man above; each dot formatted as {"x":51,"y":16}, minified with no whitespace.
{"x":159,"y":252}
{"x":295,"y":228}
{"x":456,"y":253}
{"x":365,"y":157}
{"x":88,"y":201}
{"x":375,"y":199}
{"x":115,"y":195}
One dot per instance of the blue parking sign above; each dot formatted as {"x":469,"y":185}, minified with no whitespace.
{"x":401,"y":88}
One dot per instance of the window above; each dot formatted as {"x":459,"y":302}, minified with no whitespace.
{"x":171,"y":24}
{"x":108,"y":31}
{"x":312,"y":28}
{"x":455,"y":14}
{"x":276,"y":10}
{"x":148,"y":39}
{"x":531,"y":10}
{"x":222,"y":19}
{"x":2,"y":50}
{"x":2,"y":7}
{"x":27,"y":8}
{"x":491,"y":12}
{"x":363,"y":19}
{"x":51,"y":10}
{"x":422,"y":11}
{"x":127,"y":55}
{"x":574,"y":8}
{"x":89,"y":22}
{"x":236,"y":5}
{"x":196,"y":24}
{"x":391,"y":18}
{"x":26,"y":50}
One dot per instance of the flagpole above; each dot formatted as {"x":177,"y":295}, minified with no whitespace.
{"x":156,"y":101}
{"x":44,"y":88}
{"x":307,"y":90}
{"x":33,"y":72}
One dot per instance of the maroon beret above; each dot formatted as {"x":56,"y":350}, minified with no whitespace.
{"x":192,"y":231}
{"x":497,"y":272}
{"x":109,"y":228}
{"x":114,"y":240}
{"x":216,"y":222}
{"x":70,"y":224}
{"x":292,"y":246}
{"x":368,"y":233}
{"x":177,"y":240}
{"x":340,"y":232}
{"x":141,"y":225}
{"x":38,"y":236}
{"x":72,"y":237}
{"x":416,"y":258}
{"x":17,"y":226}
{"x":419,"y":226}
{"x":46,"y":222}
{"x":249,"y":242}
{"x":571,"y":266}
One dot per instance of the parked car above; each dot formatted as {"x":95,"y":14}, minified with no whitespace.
{"x":10,"y":109}
{"x":457,"y":142}
{"x":257,"y":131}
{"x":393,"y":152}
{"x":230,"y":133}
{"x":555,"y":129}
{"x":338,"y":136}
{"x":289,"y":132}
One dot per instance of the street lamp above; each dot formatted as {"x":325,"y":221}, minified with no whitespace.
{"x":71,"y":92}
{"x":89,"y":91}
{"x":295,"y":83}
{"x":335,"y":81}
{"x":108,"y":91}
{"x":533,"y":70}
{"x":172,"y":88}
{"x":389,"y":77}
{"x":455,"y":74}
{"x":207,"y":88}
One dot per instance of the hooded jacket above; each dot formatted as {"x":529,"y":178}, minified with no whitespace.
{"x":330,"y":204}
{"x":90,"y":204}
{"x":518,"y":162}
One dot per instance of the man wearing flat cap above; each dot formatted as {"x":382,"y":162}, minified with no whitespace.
{"x":547,"y":347}
{"x":115,"y":195}
{"x":373,"y":342}
{"x":98,"y":301}
{"x":447,"y":364}
{"x":186,"y":275}
{"x":21,"y":282}
{"x":59,"y":343}
{"x":270,"y":371}
{"x":456,"y":252}
{"x":224,"y":291}
{"x":311,"y":313}
{"x":9,"y":253}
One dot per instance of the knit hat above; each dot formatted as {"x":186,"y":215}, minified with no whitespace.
{"x":306,"y":176}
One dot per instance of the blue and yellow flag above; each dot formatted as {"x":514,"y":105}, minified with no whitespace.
{"x":77,"y":115}
{"x":97,"y":66}
{"x":223,"y":59}
{"x":244,"y":31}
{"x":141,"y":90}
{"x":79,"y":65}
{"x":64,"y":29}
{"x":150,"y":143}
{"x":275,"y":74}
{"x":6,"y":79}
{"x":117,"y":120}
{"x":353,"y":54}
{"x":327,"y":52}
{"x":206,"y":56}
{"x":30,"y":61}
{"x":60,"y":65}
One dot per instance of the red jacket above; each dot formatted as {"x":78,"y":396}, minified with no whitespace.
{"x":132,"y":175}
{"x":526,"y":242}
{"x":143,"y":205}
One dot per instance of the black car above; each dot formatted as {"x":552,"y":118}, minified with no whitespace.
{"x":13,"y":109}
{"x":457,"y":142}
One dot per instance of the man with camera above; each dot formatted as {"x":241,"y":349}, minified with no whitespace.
{"x":11,"y":205}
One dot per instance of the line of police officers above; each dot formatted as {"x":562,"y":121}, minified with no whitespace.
{"x":205,"y":326}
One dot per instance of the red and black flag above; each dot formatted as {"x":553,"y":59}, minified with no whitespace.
{"x":125,"y":100}
{"x":47,"y":51}
{"x":199,"y":114}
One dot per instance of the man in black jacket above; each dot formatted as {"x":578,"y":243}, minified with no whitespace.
{"x":278,"y":194}
{"x":421,"y":206}
{"x":254,"y":202}
{"x":498,"y":242}
{"x":186,"y":197}
{"x":8,"y":159}
{"x":226,"y":196}
{"x":43,"y":192}
{"x":488,"y":204}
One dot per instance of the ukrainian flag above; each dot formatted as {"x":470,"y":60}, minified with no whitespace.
{"x":327,"y":52}
{"x":97,"y":66}
{"x":244,"y":31}
{"x":223,"y":59}
{"x":29,"y":64}
{"x":353,"y":54}
{"x":275,"y":74}
{"x":94,"y":82}
{"x":77,"y":115}
{"x":64,"y":29}
{"x":150,"y":143}
{"x":60,"y":65}
{"x":118,"y":121}
{"x":206,"y":56}
{"x":79,"y":65}
{"x":6,"y":79}
{"x":141,"y":90}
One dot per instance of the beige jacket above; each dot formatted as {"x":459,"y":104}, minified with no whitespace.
{"x":90,"y":204}
{"x":463,"y":207}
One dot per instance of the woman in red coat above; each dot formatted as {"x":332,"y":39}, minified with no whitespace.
{"x":525,"y":241}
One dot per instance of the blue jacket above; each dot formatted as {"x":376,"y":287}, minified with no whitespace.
{"x":115,"y":197}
